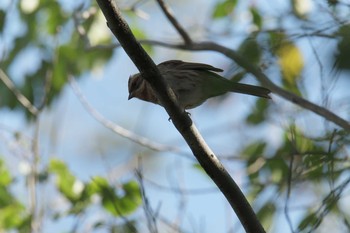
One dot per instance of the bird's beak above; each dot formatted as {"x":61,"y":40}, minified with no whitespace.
{"x":131,"y":95}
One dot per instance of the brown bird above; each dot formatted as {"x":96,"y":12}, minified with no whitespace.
{"x":192,"y":83}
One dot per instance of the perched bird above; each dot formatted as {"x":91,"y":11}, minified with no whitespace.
{"x":192,"y":83}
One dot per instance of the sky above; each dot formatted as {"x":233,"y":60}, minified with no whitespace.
{"x":68,"y":132}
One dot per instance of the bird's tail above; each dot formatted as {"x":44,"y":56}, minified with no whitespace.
{"x":251,"y":90}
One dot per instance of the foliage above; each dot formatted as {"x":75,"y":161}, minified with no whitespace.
{"x":301,"y":51}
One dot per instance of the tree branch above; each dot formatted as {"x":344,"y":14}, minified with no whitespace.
{"x":19,"y":96}
{"x":211,"y":46}
{"x":180,"y":119}
{"x":118,"y":129}
{"x":166,"y":10}
{"x":260,"y":76}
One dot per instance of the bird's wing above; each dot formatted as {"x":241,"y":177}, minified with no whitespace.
{"x":181,"y":65}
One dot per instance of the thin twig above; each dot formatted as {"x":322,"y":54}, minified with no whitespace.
{"x":289,"y":184}
{"x":18,"y":94}
{"x":197,"y":191}
{"x":151,"y":216}
{"x":260,"y":76}
{"x":47,"y":88}
{"x":180,"y":119}
{"x":116,"y":128}
{"x":211,"y":46}
{"x":327,"y":204}
{"x":167,"y":11}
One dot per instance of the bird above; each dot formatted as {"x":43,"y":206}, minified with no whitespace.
{"x":192,"y":84}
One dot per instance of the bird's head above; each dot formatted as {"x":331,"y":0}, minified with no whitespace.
{"x":135,"y":86}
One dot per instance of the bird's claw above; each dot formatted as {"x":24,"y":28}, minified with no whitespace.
{"x":188,"y":114}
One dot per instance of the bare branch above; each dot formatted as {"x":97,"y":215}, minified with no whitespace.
{"x":211,"y":46}
{"x":167,"y":11}
{"x":150,"y":214}
{"x":197,"y":191}
{"x":260,"y":76}
{"x":19,"y":96}
{"x":180,"y":119}
{"x":47,"y":88}
{"x":116,"y":128}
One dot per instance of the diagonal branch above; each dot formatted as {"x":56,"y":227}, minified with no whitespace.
{"x":18,"y":94}
{"x":232,"y":54}
{"x":116,"y":128}
{"x":167,"y":11}
{"x":180,"y":119}
{"x":260,"y":76}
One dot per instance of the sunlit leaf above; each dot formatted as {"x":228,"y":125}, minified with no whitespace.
{"x":11,"y":216}
{"x":141,"y":34}
{"x":118,"y":204}
{"x":56,"y":17}
{"x":5,"y":176}
{"x":12,"y":212}
{"x":222,"y":9}
{"x":266,"y":214}
{"x":291,"y":64}
{"x":97,"y":32}
{"x":255,"y":189}
{"x":65,"y":179}
{"x":199,"y":168}
{"x":290,"y":60}
{"x":301,"y":8}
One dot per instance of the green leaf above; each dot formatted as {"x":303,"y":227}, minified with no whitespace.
{"x":5,"y":176}
{"x":309,"y":221}
{"x":266,"y":214}
{"x":118,"y":204}
{"x":255,"y":159}
{"x":254,"y":150}
{"x":222,"y":9}
{"x":332,"y":3}
{"x":250,"y":49}
{"x":11,"y":216}
{"x":6,"y":198}
{"x":140,"y":34}
{"x":2,"y":20}
{"x":198,"y":167}
{"x":11,"y":210}
{"x":341,"y":57}
{"x":278,"y":170}
{"x":290,"y":60}
{"x":257,"y":19}
{"x":56,"y":17}
{"x":291,"y":63}
{"x":259,"y":112}
{"x":65,"y":179}
{"x":255,"y":189}
{"x":128,"y":227}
